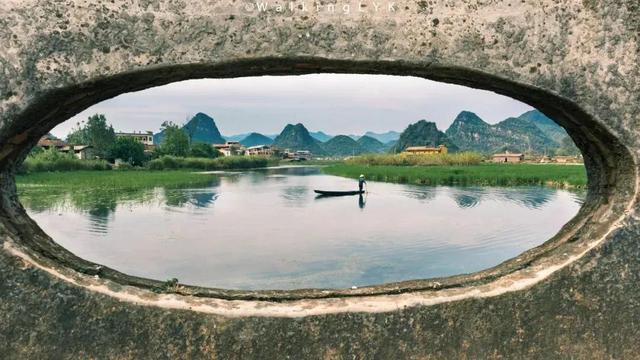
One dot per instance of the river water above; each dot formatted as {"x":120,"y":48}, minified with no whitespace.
{"x":267,"y":230}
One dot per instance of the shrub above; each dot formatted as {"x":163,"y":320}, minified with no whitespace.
{"x":202,"y":150}
{"x":53,"y":160}
{"x":124,"y":166}
{"x":462,"y":158}
{"x":127,"y":149}
{"x":221,"y":163}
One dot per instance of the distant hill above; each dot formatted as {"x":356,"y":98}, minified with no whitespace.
{"x":389,"y":145}
{"x":470,"y":132}
{"x":384,"y":137}
{"x":525,"y":136}
{"x":520,"y":134}
{"x":342,"y":145}
{"x":201,"y":128}
{"x":549,"y":127}
{"x":423,"y":133}
{"x":320,"y":136}
{"x":236,"y":137}
{"x":371,"y":145}
{"x":297,"y":137}
{"x":239,"y":137}
{"x":254,"y":139}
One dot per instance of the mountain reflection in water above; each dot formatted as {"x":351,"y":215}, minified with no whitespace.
{"x":267,"y":230}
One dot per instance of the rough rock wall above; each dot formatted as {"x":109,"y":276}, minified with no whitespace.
{"x":576,"y":296}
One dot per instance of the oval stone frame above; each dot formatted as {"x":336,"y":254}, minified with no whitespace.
{"x":52,"y":73}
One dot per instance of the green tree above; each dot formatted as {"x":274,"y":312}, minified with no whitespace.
{"x":100,"y":135}
{"x":77,"y":135}
{"x":95,"y":132}
{"x":129,"y":150}
{"x":204,"y":151}
{"x":175,"y":141}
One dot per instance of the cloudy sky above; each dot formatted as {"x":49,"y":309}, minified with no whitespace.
{"x":333,"y":103}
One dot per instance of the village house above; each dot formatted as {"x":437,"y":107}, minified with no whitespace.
{"x":545,"y":159}
{"x":560,"y":159}
{"x":49,"y":141}
{"x":422,"y":150}
{"x":259,"y":150}
{"x":302,"y":155}
{"x":508,"y":157}
{"x":230,"y":148}
{"x":145,"y":138}
{"x":82,"y":152}
{"x":297,"y":155}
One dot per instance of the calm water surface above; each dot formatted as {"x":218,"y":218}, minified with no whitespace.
{"x":267,"y":230}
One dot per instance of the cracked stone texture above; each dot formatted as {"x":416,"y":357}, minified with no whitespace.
{"x":575,"y":60}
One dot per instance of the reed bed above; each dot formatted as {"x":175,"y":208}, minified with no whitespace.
{"x":104,"y":180}
{"x":220,"y":163}
{"x":485,"y":174}
{"x":462,"y":158}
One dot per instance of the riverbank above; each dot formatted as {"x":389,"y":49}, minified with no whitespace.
{"x":60,"y":162}
{"x":561,"y":176}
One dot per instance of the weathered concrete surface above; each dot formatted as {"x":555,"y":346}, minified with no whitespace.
{"x":577,"y":296}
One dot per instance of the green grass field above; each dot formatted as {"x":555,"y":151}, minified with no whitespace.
{"x":105,"y":180}
{"x":483,"y":174}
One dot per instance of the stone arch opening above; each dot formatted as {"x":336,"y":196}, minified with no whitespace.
{"x":609,"y":165}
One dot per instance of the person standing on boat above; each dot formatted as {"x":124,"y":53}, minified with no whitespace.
{"x":361,"y":182}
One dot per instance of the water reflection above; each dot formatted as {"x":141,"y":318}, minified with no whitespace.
{"x":467,"y":198}
{"x":99,"y":219}
{"x":178,"y":198}
{"x":423,"y":193}
{"x":203,"y":199}
{"x":295,"y":195}
{"x":265,"y":230}
{"x":534,"y":198}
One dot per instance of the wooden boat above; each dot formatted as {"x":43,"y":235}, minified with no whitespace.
{"x":337,"y":193}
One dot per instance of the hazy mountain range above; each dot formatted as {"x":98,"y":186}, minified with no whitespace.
{"x":530,"y":132}
{"x":384,"y":138}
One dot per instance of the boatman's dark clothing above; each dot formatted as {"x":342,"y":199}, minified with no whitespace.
{"x":361,"y":183}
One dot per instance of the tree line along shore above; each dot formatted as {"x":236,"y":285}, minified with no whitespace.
{"x":108,"y":151}
{"x":177,"y":151}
